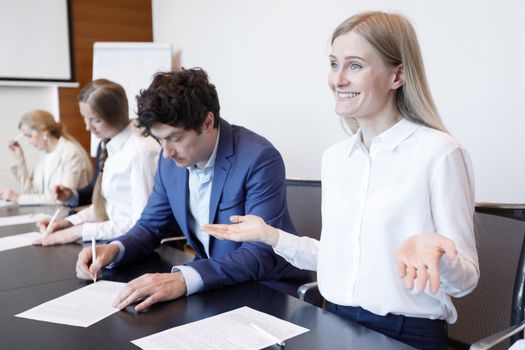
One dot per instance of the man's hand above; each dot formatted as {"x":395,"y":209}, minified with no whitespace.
{"x":87,"y":269}
{"x":58,"y":224}
{"x":418,"y":259}
{"x":68,"y":235}
{"x":61,"y":193}
{"x":151,"y":288}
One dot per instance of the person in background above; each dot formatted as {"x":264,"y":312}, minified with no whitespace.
{"x":127,"y":164}
{"x":397,"y":235}
{"x":64,"y":162}
{"x":209,"y":171}
{"x":82,"y":196}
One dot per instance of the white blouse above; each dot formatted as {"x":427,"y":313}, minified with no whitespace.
{"x":414,"y":180}
{"x":66,"y":165}
{"x":127,"y":182}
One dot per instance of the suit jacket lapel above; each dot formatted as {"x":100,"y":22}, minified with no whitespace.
{"x":222,"y":166}
{"x":180,"y":191}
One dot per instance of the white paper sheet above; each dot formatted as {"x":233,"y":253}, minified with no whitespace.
{"x":82,"y":307}
{"x":4,"y":203}
{"x":19,"y":240}
{"x":22,"y":219}
{"x":228,"y":331}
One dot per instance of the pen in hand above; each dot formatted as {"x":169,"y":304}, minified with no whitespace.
{"x":52,"y":221}
{"x":93,"y":255}
{"x":18,"y":137}
{"x":267,"y":334}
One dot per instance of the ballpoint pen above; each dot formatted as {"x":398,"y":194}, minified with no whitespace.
{"x":93,"y":255}
{"x":52,"y":221}
{"x":267,"y":334}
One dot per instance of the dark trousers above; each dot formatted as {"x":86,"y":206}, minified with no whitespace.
{"x":421,"y":333}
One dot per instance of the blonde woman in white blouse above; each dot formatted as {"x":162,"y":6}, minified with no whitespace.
{"x":125,"y":180}
{"x":64,"y":162}
{"x":397,"y":237}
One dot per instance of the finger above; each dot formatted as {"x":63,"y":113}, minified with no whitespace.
{"x":409,"y":277}
{"x":37,"y":241}
{"x":120,"y":300}
{"x":434,"y":277}
{"x":421,"y":278}
{"x":152,"y":299}
{"x":41,"y":227}
{"x":215,"y":228}
{"x":219,"y":231}
{"x":130,"y":295}
{"x":83,"y":262}
{"x":52,"y":228}
{"x":55,"y":239}
{"x":81,"y":272}
{"x":448,"y":247}
{"x":236,"y":219}
{"x":401,"y":268}
{"x":96,"y":266}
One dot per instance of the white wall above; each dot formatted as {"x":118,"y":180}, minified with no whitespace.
{"x":269,"y":62}
{"x":16,"y":101}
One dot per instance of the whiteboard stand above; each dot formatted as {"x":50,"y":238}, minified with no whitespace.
{"x":132,"y":65}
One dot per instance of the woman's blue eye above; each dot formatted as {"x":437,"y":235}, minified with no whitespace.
{"x":334,"y":65}
{"x":355,"y":66}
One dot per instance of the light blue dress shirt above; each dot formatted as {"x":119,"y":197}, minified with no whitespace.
{"x":199,"y":183}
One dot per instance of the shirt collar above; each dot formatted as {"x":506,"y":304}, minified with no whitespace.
{"x":390,"y":138}
{"x":211,"y":161}
{"x":118,"y":140}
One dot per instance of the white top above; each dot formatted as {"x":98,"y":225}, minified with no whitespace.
{"x":414,"y":180}
{"x":127,"y":182}
{"x":67,"y":165}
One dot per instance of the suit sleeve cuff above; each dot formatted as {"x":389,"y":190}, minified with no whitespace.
{"x":193,"y":279}
{"x":120,"y":255}
{"x":287,"y":244}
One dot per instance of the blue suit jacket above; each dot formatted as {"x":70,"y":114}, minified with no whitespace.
{"x":249,"y":178}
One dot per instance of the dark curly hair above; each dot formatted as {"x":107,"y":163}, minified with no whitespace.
{"x":180,"y":99}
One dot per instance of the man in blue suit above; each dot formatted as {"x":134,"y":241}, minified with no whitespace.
{"x":209,"y":171}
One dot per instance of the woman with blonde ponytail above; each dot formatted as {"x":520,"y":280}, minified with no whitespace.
{"x":397,"y":238}
{"x":127,"y":164}
{"x":64,"y":162}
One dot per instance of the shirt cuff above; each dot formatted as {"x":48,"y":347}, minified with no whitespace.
{"x":286,"y":246}
{"x":75,"y":219}
{"x":120,"y":255}
{"x":89,"y":230}
{"x":193,"y":279}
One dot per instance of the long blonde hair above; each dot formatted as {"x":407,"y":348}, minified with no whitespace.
{"x":395,"y":40}
{"x":43,"y":121}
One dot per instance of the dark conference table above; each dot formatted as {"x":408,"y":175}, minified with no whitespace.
{"x":33,"y":275}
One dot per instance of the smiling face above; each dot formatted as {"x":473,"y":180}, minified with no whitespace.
{"x":186,"y":147}
{"x":362,"y":84}
{"x":94,"y":123}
